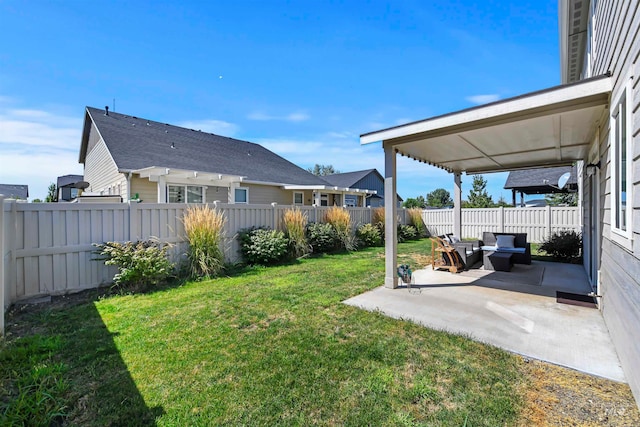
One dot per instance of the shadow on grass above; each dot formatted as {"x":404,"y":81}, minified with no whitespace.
{"x":98,"y":388}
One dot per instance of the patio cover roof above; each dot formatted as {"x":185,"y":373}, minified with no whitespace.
{"x":551,"y":127}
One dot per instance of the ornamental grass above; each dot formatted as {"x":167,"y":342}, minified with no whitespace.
{"x":340,"y":219}
{"x":415,"y":219}
{"x":295,"y":224}
{"x":204,"y":228}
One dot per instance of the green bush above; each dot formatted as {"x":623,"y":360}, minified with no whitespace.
{"x":263,"y":246}
{"x":204,"y":228}
{"x":564,"y":245}
{"x":322,"y":237}
{"x":407,"y":232}
{"x":369,"y":235}
{"x":140,"y":264}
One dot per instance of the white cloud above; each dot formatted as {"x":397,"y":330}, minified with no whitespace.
{"x":292,"y":117}
{"x":483,"y":99}
{"x":218,"y":127}
{"x":37,"y":146}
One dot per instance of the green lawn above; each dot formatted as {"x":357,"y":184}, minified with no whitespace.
{"x":268,"y":346}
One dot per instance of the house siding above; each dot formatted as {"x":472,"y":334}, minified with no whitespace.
{"x":101,"y":172}
{"x":146,"y":190}
{"x":266,"y":194}
{"x":219,"y":194}
{"x":616,"y":49}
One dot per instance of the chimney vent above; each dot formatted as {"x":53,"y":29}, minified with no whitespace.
{"x":106,"y":110}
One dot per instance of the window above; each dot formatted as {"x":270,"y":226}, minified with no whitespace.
{"x":351,"y":201}
{"x":298,"y":198}
{"x":621,"y":168}
{"x":242,"y":195}
{"x":185,"y":193}
{"x":324,"y":199}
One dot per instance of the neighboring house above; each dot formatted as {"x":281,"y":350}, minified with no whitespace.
{"x":68,"y":187}
{"x":148,"y":161}
{"x":14,"y":191}
{"x":369,"y":179}
{"x":540,"y":181}
{"x":593,"y":120}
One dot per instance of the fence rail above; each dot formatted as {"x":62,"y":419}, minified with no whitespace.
{"x":538,"y":223}
{"x":47,"y":248}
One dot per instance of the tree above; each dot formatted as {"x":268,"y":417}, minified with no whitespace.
{"x":502,"y":202}
{"x":562,"y":199}
{"x":418,"y":202}
{"x":439,"y":198}
{"x":322,"y":170}
{"x":51,"y":193}
{"x":36,"y":201}
{"x":478,"y":196}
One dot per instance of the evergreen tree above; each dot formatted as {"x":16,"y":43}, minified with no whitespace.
{"x":478,"y":196}
{"x":323,"y":170}
{"x":562,"y":199}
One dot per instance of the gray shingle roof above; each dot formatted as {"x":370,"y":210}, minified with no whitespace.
{"x":532,"y":181}
{"x":347,"y":179}
{"x":136,"y":143}
{"x":15,"y":191}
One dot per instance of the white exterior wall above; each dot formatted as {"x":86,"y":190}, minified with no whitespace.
{"x":101,"y":172}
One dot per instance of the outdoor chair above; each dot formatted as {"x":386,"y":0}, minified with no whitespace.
{"x":444,"y":255}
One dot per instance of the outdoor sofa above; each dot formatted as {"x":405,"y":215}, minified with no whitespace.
{"x":490,"y":239}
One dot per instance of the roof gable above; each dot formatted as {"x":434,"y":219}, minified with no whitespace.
{"x":540,"y":181}
{"x":137,"y":143}
{"x":349,"y":179}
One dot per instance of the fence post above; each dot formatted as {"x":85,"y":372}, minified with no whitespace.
{"x":133,"y":222}
{"x":501,"y":215}
{"x":3,"y":285}
{"x":274,"y":205}
{"x":548,"y":220}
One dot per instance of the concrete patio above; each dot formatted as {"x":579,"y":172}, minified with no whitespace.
{"x":516,"y":311}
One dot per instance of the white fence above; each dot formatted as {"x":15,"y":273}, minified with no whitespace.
{"x":538,"y":223}
{"x":46,"y":248}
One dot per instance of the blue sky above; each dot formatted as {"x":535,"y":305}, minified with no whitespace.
{"x":302,"y":78}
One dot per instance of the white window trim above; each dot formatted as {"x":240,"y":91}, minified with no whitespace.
{"x":294,"y":198}
{"x":184,"y":186}
{"x":622,"y":237}
{"x":246,"y":189}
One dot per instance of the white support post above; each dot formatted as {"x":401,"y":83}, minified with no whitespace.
{"x":3,"y":285}
{"x":162,"y":190}
{"x":317,"y":199}
{"x":390,"y":215}
{"x":457,"y":205}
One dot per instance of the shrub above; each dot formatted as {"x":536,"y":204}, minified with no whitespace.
{"x":322,"y":237}
{"x":340,"y":220}
{"x":564,"y":245}
{"x":140,"y":264}
{"x":368,"y":235}
{"x":407,"y":232}
{"x":263,"y":246}
{"x":295,"y":223}
{"x":415,"y":219}
{"x":204,"y":228}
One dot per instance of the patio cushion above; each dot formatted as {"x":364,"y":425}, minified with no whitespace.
{"x":509,"y":250}
{"x":505,"y":241}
